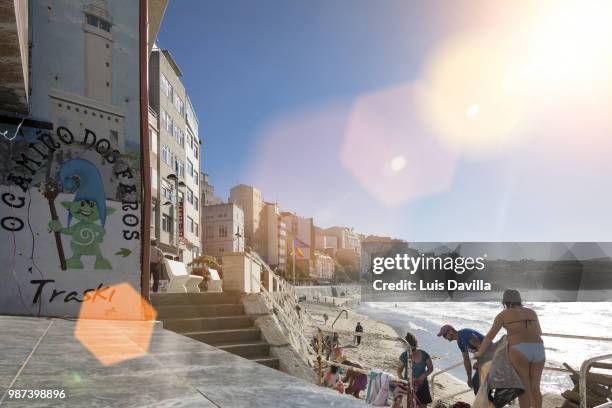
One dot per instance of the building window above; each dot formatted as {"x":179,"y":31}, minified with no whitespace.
{"x":178,"y":135}
{"x":98,"y":22}
{"x":167,"y":193}
{"x":166,"y":155}
{"x":166,"y":88}
{"x":166,"y":121}
{"x":196,"y":228}
{"x":222,"y":231}
{"x":114,"y":135}
{"x":190,"y":168}
{"x":164,"y":85}
{"x":178,"y":104}
{"x":167,"y":223}
{"x":179,"y":168}
{"x":190,"y":224}
{"x":189,"y":196}
{"x":196,"y":204}
{"x":210,"y":232}
{"x":195,"y":177}
{"x":195,"y":149}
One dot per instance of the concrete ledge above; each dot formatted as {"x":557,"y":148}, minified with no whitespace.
{"x":175,"y":371}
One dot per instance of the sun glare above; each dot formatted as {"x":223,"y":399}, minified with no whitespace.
{"x":473,"y":111}
{"x":560,"y":51}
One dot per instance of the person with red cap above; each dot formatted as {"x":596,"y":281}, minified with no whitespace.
{"x":468,"y":341}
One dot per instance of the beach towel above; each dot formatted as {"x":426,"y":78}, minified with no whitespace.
{"x":378,"y":388}
{"x":501,"y":383}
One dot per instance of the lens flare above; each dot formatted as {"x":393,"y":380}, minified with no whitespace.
{"x":115,"y":324}
{"x":468,"y":68}
{"x":390,"y":152}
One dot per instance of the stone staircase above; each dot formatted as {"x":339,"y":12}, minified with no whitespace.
{"x":217,"y":319}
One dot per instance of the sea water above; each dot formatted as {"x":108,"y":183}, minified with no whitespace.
{"x":424,"y":320}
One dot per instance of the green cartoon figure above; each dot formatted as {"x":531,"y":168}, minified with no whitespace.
{"x":88,"y":207}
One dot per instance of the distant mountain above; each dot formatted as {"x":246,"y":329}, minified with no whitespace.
{"x":588,"y":250}
{"x":516,"y":251}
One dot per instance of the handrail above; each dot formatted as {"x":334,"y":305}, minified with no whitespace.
{"x":437,"y":373}
{"x":574,"y":336}
{"x":340,"y":314}
{"x":295,"y":330}
{"x":584,"y":368}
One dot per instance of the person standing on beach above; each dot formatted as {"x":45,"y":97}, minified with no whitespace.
{"x":358,"y":329}
{"x":157,"y":256}
{"x":422,"y":366}
{"x":468,"y":341}
{"x":525,"y":345}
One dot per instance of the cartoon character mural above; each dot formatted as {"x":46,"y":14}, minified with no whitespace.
{"x":88,"y":207}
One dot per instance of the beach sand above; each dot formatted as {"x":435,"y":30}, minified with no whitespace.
{"x":378,"y":350}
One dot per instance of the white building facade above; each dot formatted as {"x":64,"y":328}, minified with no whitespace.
{"x":223,"y":229}
{"x":177,"y":204}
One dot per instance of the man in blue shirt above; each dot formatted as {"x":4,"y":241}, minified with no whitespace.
{"x":468,"y":341}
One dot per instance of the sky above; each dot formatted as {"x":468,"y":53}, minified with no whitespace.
{"x":424,"y":120}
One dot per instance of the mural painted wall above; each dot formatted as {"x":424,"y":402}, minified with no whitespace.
{"x":70,"y":192}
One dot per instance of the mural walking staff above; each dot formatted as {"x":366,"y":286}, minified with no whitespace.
{"x":51,"y":191}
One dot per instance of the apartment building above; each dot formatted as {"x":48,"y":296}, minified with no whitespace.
{"x":223,"y":226}
{"x":348,"y":250}
{"x":324,"y":267}
{"x":275,"y":233}
{"x":177,"y":203}
{"x":251,"y":201}
{"x":207,"y":191}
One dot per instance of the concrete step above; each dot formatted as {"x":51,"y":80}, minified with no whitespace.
{"x":267,"y":361}
{"x":198,"y":310}
{"x":164,"y":299}
{"x":247,"y":350}
{"x":197,"y":324}
{"x":215,"y":337}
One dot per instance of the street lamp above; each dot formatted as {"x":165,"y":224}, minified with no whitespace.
{"x":238,"y":235}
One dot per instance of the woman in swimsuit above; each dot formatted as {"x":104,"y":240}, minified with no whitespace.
{"x":525,"y":345}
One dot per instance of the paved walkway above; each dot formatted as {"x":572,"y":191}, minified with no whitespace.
{"x":40,"y":353}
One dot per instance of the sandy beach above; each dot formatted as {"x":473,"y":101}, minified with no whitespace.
{"x":377,"y":349}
